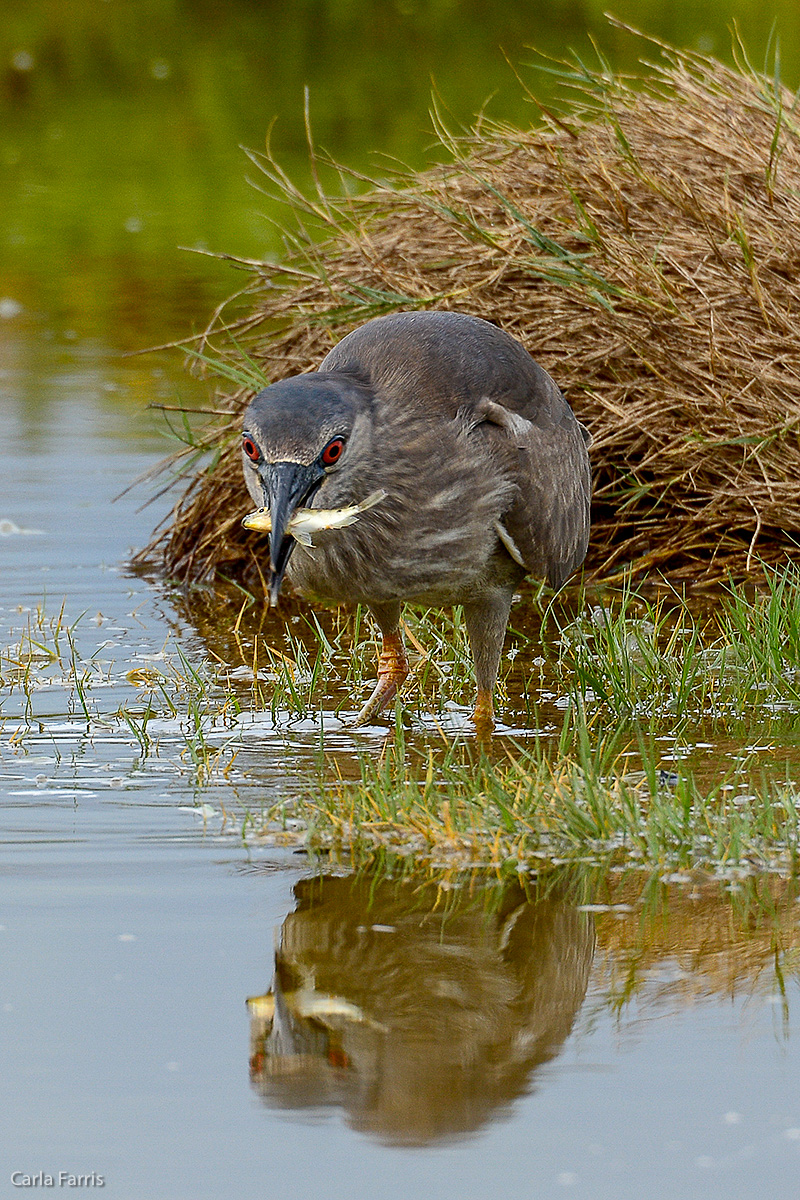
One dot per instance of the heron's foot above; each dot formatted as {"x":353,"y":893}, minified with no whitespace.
{"x":392,"y":674}
{"x":483,"y":717}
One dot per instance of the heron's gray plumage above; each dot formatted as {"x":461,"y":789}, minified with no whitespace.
{"x":484,"y":466}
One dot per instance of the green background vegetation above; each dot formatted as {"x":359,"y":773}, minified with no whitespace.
{"x":122,"y":121}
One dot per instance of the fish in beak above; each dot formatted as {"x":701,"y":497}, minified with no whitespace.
{"x":286,"y":485}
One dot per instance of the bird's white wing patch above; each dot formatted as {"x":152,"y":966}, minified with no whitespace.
{"x":509,"y":543}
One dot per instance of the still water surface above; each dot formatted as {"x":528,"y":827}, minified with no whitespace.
{"x":590,"y":1038}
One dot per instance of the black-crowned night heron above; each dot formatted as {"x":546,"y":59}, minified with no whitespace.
{"x":448,"y":466}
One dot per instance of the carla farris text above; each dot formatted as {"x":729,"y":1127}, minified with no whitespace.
{"x":20,"y":1179}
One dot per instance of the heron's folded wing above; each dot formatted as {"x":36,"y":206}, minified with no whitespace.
{"x":546,"y":527}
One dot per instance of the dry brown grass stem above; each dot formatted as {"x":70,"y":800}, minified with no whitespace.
{"x":644,"y":245}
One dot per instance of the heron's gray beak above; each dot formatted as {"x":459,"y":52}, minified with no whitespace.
{"x":286,"y":485}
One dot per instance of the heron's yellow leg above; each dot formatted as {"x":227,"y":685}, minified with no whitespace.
{"x":483,"y":717}
{"x":392,"y":674}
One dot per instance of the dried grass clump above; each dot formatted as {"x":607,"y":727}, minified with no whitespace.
{"x":644,"y":245}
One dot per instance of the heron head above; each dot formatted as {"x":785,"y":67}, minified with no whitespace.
{"x":297,"y":433}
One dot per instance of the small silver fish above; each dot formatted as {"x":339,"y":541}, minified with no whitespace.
{"x":305,"y":521}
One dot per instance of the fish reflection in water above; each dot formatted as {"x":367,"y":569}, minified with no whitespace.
{"x":422,"y":1013}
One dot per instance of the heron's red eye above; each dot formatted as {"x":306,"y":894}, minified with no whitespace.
{"x":333,"y":451}
{"x":250,"y":448}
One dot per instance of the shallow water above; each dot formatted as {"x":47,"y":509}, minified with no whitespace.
{"x":400,"y":1040}
{"x":185,"y":1010}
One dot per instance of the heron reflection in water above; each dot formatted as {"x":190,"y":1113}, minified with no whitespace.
{"x":421,"y":1020}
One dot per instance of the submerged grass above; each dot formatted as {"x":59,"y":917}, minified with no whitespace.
{"x":49,"y":682}
{"x":531,"y":811}
{"x":632,"y":695}
{"x":643,"y":727}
